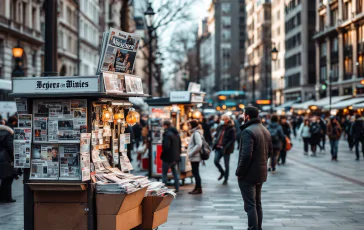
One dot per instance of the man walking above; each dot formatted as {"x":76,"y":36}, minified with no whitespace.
{"x":255,"y":147}
{"x":171,"y":153}
{"x":357,"y":132}
{"x":224,"y":145}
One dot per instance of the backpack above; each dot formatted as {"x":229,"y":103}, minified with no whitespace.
{"x":205,"y":149}
{"x":315,"y":129}
{"x":274,"y":134}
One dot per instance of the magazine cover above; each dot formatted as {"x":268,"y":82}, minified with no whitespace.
{"x":69,"y":162}
{"x":45,"y":162}
{"x":133,"y":84}
{"x":22,"y":154}
{"x":120,"y":52}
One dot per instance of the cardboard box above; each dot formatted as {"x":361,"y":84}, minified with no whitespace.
{"x":124,"y":221}
{"x":60,"y":196}
{"x":60,"y":216}
{"x":115,"y":204}
{"x":155,"y":211}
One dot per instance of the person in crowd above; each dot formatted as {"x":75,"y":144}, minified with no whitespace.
{"x":194,"y":154}
{"x":130,"y":146}
{"x":304,"y":133}
{"x":323,"y":131}
{"x":278,"y":137}
{"x":349,"y":133}
{"x":7,"y":171}
{"x":206,"y":131}
{"x":137,"y":131}
{"x":224,"y":146}
{"x":238,"y":122}
{"x":315,"y":130}
{"x":294,"y":126}
{"x":346,"y":126}
{"x":334,"y":132}
{"x":357,"y":132}
{"x":12,"y":122}
{"x":256,"y":146}
{"x":286,"y":127}
{"x":171,"y":152}
{"x":142,"y":150}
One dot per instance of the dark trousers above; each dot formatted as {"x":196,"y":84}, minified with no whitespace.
{"x":306,"y":141}
{"x":173,"y":166}
{"x":323,"y":140}
{"x":252,"y":203}
{"x":138,"y":140}
{"x":357,"y":143}
{"x":218,"y":155}
{"x":282,"y":156}
{"x":196,"y":174}
{"x":334,"y":147}
{"x":274,"y":158}
{"x":5,"y":188}
{"x":351,"y":141}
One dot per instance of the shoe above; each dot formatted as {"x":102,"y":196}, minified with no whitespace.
{"x":8,"y":201}
{"x":176,"y":191}
{"x":274,"y":171}
{"x":313,"y":154}
{"x":225,"y":182}
{"x":192,"y":191}
{"x":357,"y":159}
{"x":269,"y":169}
{"x":197,"y":191}
{"x":332,"y":158}
{"x":221,"y":176}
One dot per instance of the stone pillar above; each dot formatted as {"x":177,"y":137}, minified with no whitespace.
{"x":29,"y":19}
{"x":341,"y":55}
{"x":7,"y":8}
{"x":340,"y":9}
{"x":354,"y":34}
{"x":317,"y":46}
{"x":328,"y":57}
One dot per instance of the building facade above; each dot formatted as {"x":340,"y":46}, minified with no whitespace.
{"x":258,"y":49}
{"x":278,"y":41}
{"x":299,"y":50}
{"x":339,"y":46}
{"x":19,"y":24}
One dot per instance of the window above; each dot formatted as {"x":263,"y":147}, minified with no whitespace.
{"x":225,"y":7}
{"x":334,"y":16}
{"x":278,"y":15}
{"x":293,"y":61}
{"x":348,"y":68}
{"x":323,"y":50}
{"x":61,"y":9}
{"x":323,"y":73}
{"x":361,"y":34}
{"x":359,"y":6}
{"x":226,"y":35}
{"x":69,"y":14}
{"x":334,"y":45}
{"x":347,"y":38}
{"x":34,"y":18}
{"x":346,"y":10}
{"x":293,"y":80}
{"x":322,"y":22}
{"x":226,"y":22}
{"x":292,"y":23}
{"x":70,"y":43}
{"x":34,"y":58}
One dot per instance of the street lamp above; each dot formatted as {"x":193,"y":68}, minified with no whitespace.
{"x":274,"y":53}
{"x":18,"y":54}
{"x":149,"y":16}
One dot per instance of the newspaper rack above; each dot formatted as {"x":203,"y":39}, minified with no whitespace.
{"x":56,"y":196}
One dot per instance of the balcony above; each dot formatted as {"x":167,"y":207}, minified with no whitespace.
{"x":348,"y":51}
{"x":4,"y":20}
{"x":20,"y":30}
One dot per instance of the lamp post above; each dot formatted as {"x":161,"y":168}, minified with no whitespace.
{"x":274,"y":53}
{"x":18,"y":56}
{"x":149,"y":16}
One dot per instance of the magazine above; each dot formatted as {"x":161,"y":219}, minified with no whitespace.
{"x":22,"y":154}
{"x":22,"y":134}
{"x":119,"y":51}
{"x":45,"y":162}
{"x":25,"y":120}
{"x":133,"y":84}
{"x":69,"y":162}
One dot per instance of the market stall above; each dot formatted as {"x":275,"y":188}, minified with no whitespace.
{"x":180,"y":107}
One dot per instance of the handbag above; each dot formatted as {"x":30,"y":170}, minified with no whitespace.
{"x":288,"y":144}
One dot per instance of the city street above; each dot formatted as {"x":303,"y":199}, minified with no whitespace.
{"x":306,"y":193}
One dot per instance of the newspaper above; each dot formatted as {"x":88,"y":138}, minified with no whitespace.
{"x":45,"y":162}
{"x":21,"y":105}
{"x":119,"y":51}
{"x":25,"y":120}
{"x":122,"y":145}
{"x":22,"y":154}
{"x":85,"y":143}
{"x":114,"y":83}
{"x":22,"y":134}
{"x":69,"y":162}
{"x":133,"y":84}
{"x":85,"y":167}
{"x":40,"y":129}
{"x":115,"y":151}
{"x":125,"y":164}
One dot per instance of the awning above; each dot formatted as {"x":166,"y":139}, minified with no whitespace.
{"x":5,"y":84}
{"x":303,"y":105}
{"x":358,"y":106}
{"x":325,"y":101}
{"x":346,"y":103}
{"x":285,"y":105}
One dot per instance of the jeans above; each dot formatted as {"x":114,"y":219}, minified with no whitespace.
{"x":306,"y":141}
{"x":5,"y":188}
{"x":357,"y":143}
{"x":196,"y":174}
{"x":334,"y":147}
{"x":351,"y":141}
{"x":274,"y":158}
{"x":165,"y":168}
{"x":323,"y":139}
{"x":218,"y":155}
{"x":252,"y":203}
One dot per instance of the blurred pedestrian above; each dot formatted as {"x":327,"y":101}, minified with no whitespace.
{"x":315,"y":130}
{"x":305,"y":134}
{"x":12,"y":122}
{"x":194,"y":149}
{"x":238,"y":122}
{"x":358,"y":134}
{"x":294,"y":126}
{"x":224,"y":146}
{"x":286,"y":127}
{"x":7,"y":171}
{"x":323,"y":131}
{"x":349,"y":128}
{"x":277,"y":136}
{"x":137,"y":131}
{"x":334,"y":132}
{"x":256,"y":146}
{"x":206,"y":131}
{"x":171,"y":153}
{"x":130,"y":146}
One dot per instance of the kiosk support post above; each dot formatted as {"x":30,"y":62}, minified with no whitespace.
{"x":90,"y":194}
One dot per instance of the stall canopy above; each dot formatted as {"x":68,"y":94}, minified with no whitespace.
{"x":358,"y":106}
{"x":325,"y":101}
{"x":345,"y":104}
{"x":285,"y":105}
{"x":303,"y":105}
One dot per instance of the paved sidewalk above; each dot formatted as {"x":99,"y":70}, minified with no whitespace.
{"x":306,"y":193}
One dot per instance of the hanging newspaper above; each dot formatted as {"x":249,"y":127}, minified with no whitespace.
{"x":45,"y":162}
{"x":85,"y":143}
{"x":22,"y":134}
{"x":40,"y":129}
{"x":125,"y":164}
{"x":85,"y":156}
{"x":119,"y":51}
{"x":22,"y":154}
{"x":25,"y":120}
{"x":133,"y":84}
{"x":115,"y":151}
{"x":70,"y":162}
{"x":21,"y":105}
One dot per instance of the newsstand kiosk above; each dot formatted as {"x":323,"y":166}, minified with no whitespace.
{"x":179,"y":107}
{"x":55,"y":145}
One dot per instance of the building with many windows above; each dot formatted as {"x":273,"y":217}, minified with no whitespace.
{"x":258,"y":49}
{"x":339,"y":46}
{"x":19,"y":24}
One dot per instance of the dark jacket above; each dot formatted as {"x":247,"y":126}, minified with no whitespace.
{"x":277,"y":144}
{"x":207,"y":132}
{"x":334,"y":131}
{"x":286,"y":130}
{"x":137,"y":130}
{"x":255,"y":148}
{"x":228,"y":139}
{"x":171,"y":146}
{"x":6,"y":152}
{"x":358,"y":129}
